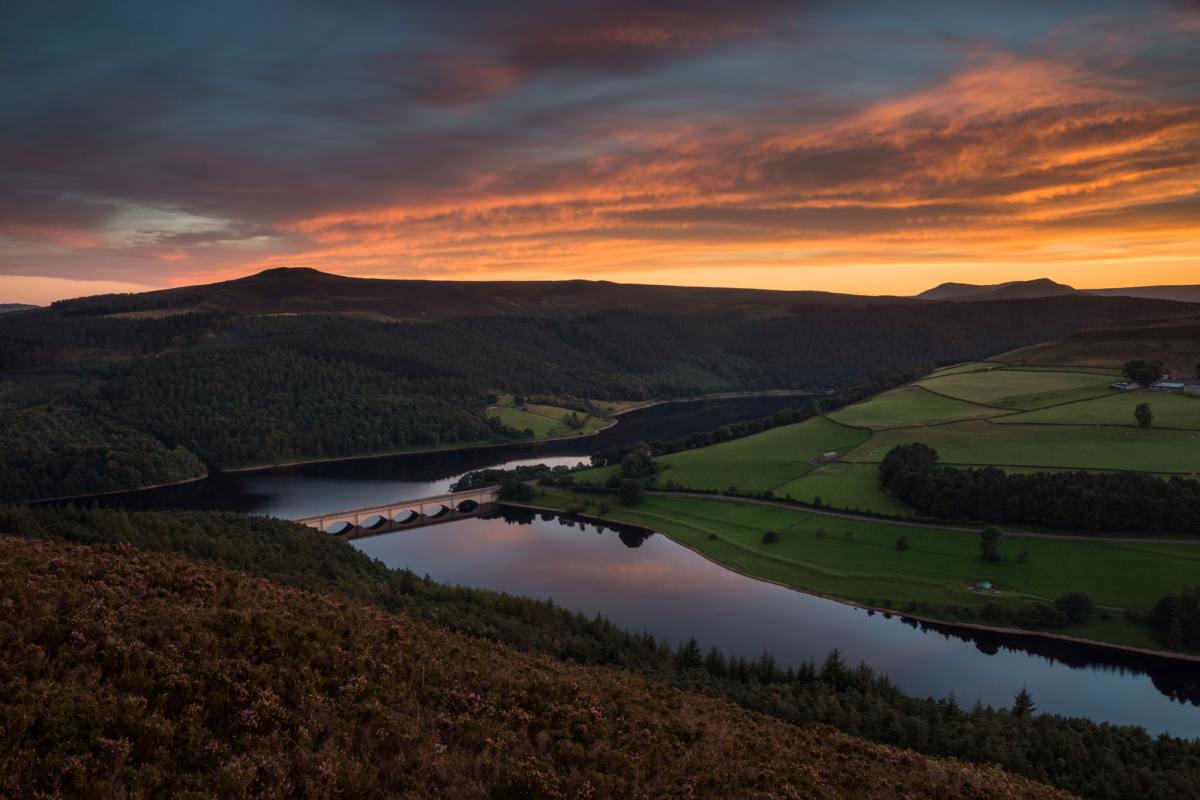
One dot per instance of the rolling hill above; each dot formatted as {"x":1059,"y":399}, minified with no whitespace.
{"x":1044,"y":287}
{"x":1174,"y":341}
{"x":292,"y":290}
{"x":1184,"y":293}
{"x":292,"y":365}
{"x":146,"y":674}
{"x":1013,"y":290}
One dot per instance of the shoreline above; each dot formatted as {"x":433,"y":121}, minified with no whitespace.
{"x":423,"y":452}
{"x":1167,"y":655}
{"x":72,"y":497}
{"x":697,"y":398}
{"x":304,"y":462}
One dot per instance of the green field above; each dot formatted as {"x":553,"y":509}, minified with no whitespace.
{"x":908,"y":405}
{"x":546,"y":422}
{"x":1170,"y":411}
{"x":854,"y":487}
{"x":970,"y":366}
{"x":786,"y":460}
{"x":1062,"y":446}
{"x":762,"y":461}
{"x":816,"y":555}
{"x":1019,"y":389}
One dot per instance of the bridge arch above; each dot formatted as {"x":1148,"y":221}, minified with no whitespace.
{"x":405,"y":513}
{"x":438,"y":511}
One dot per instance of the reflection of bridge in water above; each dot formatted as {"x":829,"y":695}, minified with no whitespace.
{"x":405,"y":514}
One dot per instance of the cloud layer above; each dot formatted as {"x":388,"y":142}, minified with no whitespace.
{"x":770,"y":143}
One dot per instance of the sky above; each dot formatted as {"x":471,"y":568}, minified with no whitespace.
{"x":870,"y":148}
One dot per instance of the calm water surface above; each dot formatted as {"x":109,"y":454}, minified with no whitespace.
{"x":649,"y":583}
{"x":312,"y":489}
{"x":673,"y":593}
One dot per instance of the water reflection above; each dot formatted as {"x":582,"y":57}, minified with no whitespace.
{"x":310,"y":489}
{"x":646,"y":582}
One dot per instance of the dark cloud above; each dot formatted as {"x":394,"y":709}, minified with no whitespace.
{"x":325,"y":128}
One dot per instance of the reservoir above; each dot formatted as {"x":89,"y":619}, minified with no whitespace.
{"x":648,"y":583}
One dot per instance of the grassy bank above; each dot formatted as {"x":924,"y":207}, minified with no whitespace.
{"x":859,"y":561}
{"x":546,"y":421}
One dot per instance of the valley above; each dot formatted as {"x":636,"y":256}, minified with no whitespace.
{"x":1019,"y":419}
{"x":769,"y":482}
{"x":582,"y":400}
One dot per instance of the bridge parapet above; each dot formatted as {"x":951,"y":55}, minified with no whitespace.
{"x":415,"y":513}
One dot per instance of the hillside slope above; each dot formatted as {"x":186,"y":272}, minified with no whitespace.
{"x":1044,"y":287}
{"x":248,"y":377}
{"x":1174,"y":341}
{"x":137,"y":673}
{"x":1181,"y":293}
{"x":1012,"y":290}
{"x":297,"y":290}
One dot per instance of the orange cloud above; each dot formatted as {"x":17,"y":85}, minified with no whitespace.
{"x":1012,"y":162}
{"x":1016,"y":167}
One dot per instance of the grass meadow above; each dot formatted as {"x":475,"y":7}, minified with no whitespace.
{"x":1057,"y":446}
{"x":859,"y":561}
{"x":1019,"y":389}
{"x":763,"y":461}
{"x":854,"y":487}
{"x":1170,"y":411}
{"x":546,"y":422}
{"x":909,"y":405}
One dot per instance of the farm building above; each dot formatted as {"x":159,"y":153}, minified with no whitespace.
{"x":830,"y":456}
{"x":1192,"y":390}
{"x":1168,"y":386}
{"x":1125,"y":386}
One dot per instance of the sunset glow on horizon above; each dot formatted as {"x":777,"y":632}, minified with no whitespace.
{"x":764,"y":144}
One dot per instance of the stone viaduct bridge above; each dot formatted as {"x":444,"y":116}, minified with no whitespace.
{"x":373,"y":520}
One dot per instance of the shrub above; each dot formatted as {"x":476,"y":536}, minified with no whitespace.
{"x":1039,"y":616}
{"x":771,"y":537}
{"x":902,"y":543}
{"x":989,"y":543}
{"x":631,"y":492}
{"x":1076,"y":606}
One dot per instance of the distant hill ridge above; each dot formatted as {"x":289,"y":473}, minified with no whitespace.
{"x":1175,"y":341}
{"x":301,"y":290}
{"x":7,"y":307}
{"x":1044,"y":287}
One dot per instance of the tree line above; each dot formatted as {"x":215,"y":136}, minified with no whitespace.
{"x":241,"y":389}
{"x":742,"y":428}
{"x":1090,"y":502}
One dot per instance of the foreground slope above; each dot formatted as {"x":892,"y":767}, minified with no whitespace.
{"x":136,"y":673}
